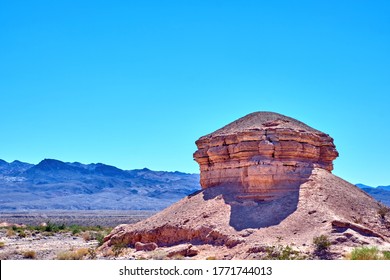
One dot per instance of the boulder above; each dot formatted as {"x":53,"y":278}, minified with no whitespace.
{"x":151,"y":246}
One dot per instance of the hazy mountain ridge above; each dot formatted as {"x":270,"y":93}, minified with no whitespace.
{"x":57,"y":185}
{"x":380,"y":193}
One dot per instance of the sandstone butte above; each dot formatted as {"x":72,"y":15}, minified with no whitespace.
{"x":266,"y":181}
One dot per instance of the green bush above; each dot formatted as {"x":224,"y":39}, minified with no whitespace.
{"x":100,"y":238}
{"x":321,"y":243}
{"x":118,"y":248}
{"x":365,"y":253}
{"x":386,"y":255}
{"x":282,"y":253}
{"x":22,"y":233}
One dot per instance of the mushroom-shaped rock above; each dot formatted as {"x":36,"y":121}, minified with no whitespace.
{"x":263,"y":153}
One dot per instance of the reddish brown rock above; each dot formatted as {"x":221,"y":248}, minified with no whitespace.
{"x":263,"y":152}
{"x":151,"y":246}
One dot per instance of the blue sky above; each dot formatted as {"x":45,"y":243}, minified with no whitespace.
{"x":135,"y":83}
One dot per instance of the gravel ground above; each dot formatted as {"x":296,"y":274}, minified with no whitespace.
{"x":105,"y":218}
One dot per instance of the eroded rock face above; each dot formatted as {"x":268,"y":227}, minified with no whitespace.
{"x":263,"y":152}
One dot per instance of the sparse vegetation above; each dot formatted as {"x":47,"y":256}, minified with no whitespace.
{"x":22,"y":233}
{"x":2,"y":245}
{"x":357,"y":220}
{"x":118,"y":248}
{"x":29,"y":255}
{"x":100,"y":238}
{"x":79,"y":254}
{"x":87,"y":236}
{"x":10,"y":233}
{"x":365,"y":253}
{"x":91,"y":253}
{"x":159,"y":255}
{"x":383,"y":211}
{"x":386,"y":255}
{"x":282,"y":253}
{"x":321,"y":243}
{"x":368,"y":253}
{"x":177,"y":257}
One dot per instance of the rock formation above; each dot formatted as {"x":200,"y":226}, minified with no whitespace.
{"x":266,"y":154}
{"x":266,"y":182}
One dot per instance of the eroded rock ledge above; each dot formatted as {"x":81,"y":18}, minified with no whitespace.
{"x":263,"y":153}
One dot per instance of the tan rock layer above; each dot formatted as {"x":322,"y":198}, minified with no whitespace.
{"x":263,"y":159}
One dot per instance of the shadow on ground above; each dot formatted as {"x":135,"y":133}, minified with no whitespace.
{"x":251,"y":213}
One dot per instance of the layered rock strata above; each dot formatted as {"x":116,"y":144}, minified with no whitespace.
{"x":263,"y":153}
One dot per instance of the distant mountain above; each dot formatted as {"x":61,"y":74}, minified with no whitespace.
{"x":362,"y":186}
{"x":56,"y":185}
{"x":386,"y":188}
{"x":380,"y":193}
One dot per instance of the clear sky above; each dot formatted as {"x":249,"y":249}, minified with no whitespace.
{"x":135,"y":83}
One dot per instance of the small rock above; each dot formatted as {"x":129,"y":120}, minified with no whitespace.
{"x":185,"y":250}
{"x":151,"y":246}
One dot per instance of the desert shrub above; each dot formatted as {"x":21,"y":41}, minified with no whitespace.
{"x":75,"y":229}
{"x":73,"y":255}
{"x":177,"y":257}
{"x":211,"y":258}
{"x":282,"y":253}
{"x":51,"y":227}
{"x":87,"y":236}
{"x":321,"y":243}
{"x":22,"y":233}
{"x":118,"y":248}
{"x":10,"y":232}
{"x":161,"y":255}
{"x":91,"y":253}
{"x":92,"y":235}
{"x":2,"y":244}
{"x":382,"y":211}
{"x":29,"y":255}
{"x":108,"y":253}
{"x":100,"y":238}
{"x":365,"y":253}
{"x":386,"y":255}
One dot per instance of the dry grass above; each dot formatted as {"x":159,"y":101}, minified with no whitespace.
{"x":10,"y":233}
{"x":79,"y":254}
{"x":29,"y":255}
{"x":87,"y":236}
{"x":159,"y":255}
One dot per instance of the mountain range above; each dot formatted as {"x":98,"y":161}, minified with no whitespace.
{"x":380,"y":193}
{"x":56,"y":185}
